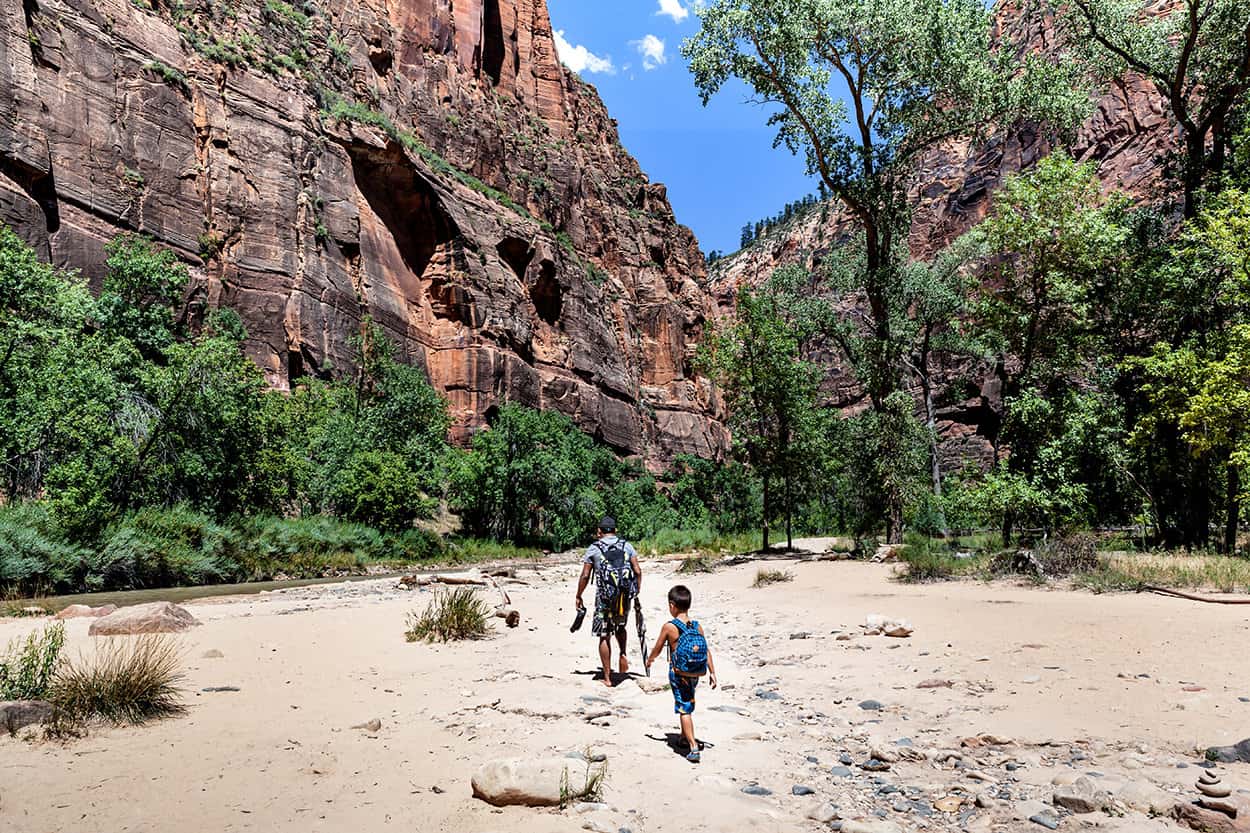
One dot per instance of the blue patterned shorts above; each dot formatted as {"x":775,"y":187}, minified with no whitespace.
{"x":683,"y":692}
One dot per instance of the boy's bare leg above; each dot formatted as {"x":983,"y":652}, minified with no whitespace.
{"x":621,"y":637}
{"x":687,"y":731}
{"x":605,"y":657}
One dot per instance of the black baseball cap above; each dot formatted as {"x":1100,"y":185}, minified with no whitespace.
{"x":607,"y":524}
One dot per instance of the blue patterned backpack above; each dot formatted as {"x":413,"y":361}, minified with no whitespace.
{"x":690,"y":656}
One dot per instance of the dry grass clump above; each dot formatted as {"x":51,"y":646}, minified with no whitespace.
{"x":126,"y":681}
{"x":452,"y":615}
{"x":28,"y":665}
{"x":763,"y":578}
{"x":1176,"y":570}
{"x":696,"y":564}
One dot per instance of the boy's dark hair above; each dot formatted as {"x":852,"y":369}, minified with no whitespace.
{"x":680,"y":597}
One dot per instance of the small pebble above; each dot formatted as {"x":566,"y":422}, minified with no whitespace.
{"x":871,"y":706}
{"x":756,"y":789}
{"x":1049,"y":822}
{"x":845,"y":758}
{"x":840,"y":772}
{"x":799,"y":789}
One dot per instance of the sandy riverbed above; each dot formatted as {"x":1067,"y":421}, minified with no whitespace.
{"x":1080,"y":682}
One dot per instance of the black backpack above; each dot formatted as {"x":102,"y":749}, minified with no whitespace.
{"x":616,"y":578}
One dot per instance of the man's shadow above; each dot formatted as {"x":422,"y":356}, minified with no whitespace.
{"x":617,"y":676}
{"x":677,"y":743}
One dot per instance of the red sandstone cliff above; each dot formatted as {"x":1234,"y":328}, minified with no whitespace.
{"x":473,"y":199}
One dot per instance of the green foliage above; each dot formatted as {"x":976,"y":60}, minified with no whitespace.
{"x":453,"y":615}
{"x":769,"y":388}
{"x":34,"y":561}
{"x":142,"y":288}
{"x":531,"y":476}
{"x":1195,"y":54}
{"x":164,"y":548}
{"x":27,"y":666}
{"x":126,"y":681}
{"x":377,"y":488}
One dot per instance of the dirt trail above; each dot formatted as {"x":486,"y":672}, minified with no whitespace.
{"x":1082,"y":683}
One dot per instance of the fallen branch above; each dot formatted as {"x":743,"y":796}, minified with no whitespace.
{"x":505,"y":611}
{"x":1164,"y":591}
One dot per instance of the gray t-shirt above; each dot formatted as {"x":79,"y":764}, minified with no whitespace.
{"x":594,"y":555}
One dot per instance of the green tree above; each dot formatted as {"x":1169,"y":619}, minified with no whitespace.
{"x":864,"y":89}
{"x":531,"y":476}
{"x":1050,"y":239}
{"x":142,"y":290}
{"x":1196,"y":53}
{"x":377,"y":488}
{"x":770,"y":392}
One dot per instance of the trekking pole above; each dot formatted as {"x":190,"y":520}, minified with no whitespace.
{"x":642,"y":634}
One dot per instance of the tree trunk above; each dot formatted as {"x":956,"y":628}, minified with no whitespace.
{"x":1233,"y":512}
{"x":764,"y":518}
{"x":894,"y":521}
{"x":1009,"y":527}
{"x":789,"y":514}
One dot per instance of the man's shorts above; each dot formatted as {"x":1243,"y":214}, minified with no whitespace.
{"x":605,"y":624}
{"x":683,"y":692}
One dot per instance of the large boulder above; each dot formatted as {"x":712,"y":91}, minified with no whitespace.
{"x":86,"y":612}
{"x":1209,"y":821}
{"x":156,"y":617}
{"x":18,"y":714}
{"x":532,"y":782}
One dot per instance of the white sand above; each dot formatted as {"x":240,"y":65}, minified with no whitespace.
{"x":279,"y":754}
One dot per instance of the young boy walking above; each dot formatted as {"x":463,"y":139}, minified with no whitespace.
{"x":689,"y":658}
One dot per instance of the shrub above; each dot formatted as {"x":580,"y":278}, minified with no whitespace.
{"x":127,"y":681}
{"x":696,"y":564}
{"x":452,"y":615}
{"x":924,"y":559}
{"x":33,"y":560}
{"x":27,"y":666}
{"x":763,"y":578}
{"x":1069,"y":555}
{"x":310,"y":546}
{"x":378,"y":488}
{"x":157,"y":547}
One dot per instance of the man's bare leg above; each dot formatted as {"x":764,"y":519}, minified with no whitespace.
{"x":622,"y":637}
{"x":605,"y":657}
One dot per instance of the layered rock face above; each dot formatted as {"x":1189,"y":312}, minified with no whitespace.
{"x":427,"y":163}
{"x":1127,"y":136}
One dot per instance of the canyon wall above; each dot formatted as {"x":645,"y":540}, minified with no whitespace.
{"x":427,"y":163}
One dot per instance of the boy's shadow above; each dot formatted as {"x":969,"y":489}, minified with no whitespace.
{"x":677,"y":743}
{"x":617,"y":676}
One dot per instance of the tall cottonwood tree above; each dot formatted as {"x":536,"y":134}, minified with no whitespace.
{"x":864,"y":89}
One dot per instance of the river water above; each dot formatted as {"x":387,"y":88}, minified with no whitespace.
{"x":121,"y":598}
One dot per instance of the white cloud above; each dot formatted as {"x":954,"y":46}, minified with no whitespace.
{"x":651,"y":49}
{"x":580,"y":59}
{"x":674,"y":9}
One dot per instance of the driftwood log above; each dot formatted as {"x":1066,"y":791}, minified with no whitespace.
{"x":1164,"y":591}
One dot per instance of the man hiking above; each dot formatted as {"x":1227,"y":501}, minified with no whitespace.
{"x":618,"y":579}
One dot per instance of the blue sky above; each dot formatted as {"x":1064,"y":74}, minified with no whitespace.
{"x":717,"y":161}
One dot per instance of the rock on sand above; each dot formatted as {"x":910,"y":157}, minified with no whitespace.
{"x":157,"y":617}
{"x":85,"y":612}
{"x":541,"y":782}
{"x":18,"y":714}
